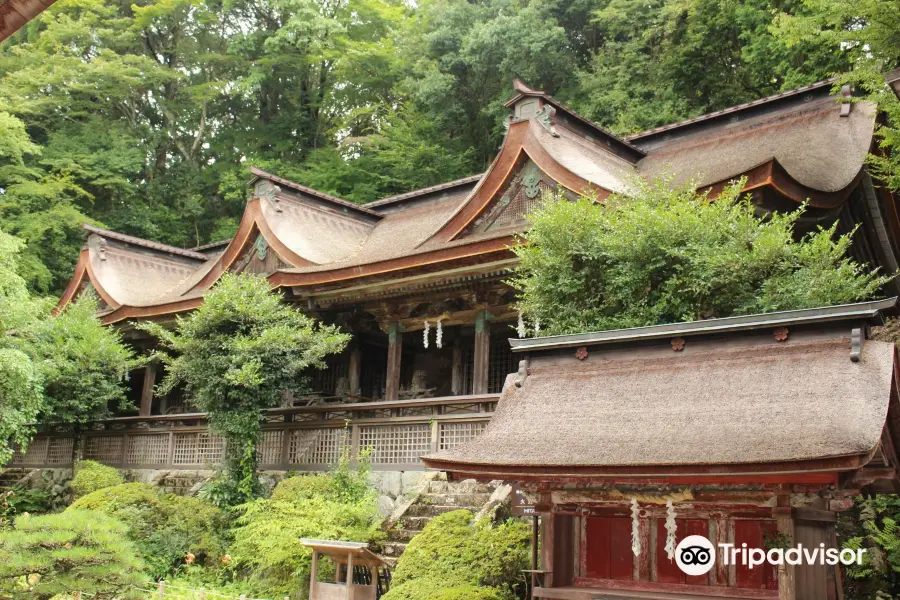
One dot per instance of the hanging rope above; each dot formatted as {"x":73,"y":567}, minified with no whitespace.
{"x":520,"y":326}
{"x":425,"y":334}
{"x":635,"y":527}
{"x":439,"y":340}
{"x":671,"y":527}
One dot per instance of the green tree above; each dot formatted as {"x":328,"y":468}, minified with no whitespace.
{"x":667,"y":60}
{"x":84,"y":364}
{"x":663,"y":255}
{"x":44,"y":557}
{"x":21,"y":384}
{"x":236,"y":355}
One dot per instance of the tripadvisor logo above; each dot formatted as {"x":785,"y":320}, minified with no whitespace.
{"x":695,"y":555}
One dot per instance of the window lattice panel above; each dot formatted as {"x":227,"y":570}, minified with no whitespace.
{"x":36,"y":454}
{"x":198,"y":449}
{"x":317,"y":446}
{"x":269,"y":449}
{"x":147,"y":449}
{"x":396,"y":444}
{"x":105,"y":448}
{"x":59,"y":451}
{"x":454,"y":434}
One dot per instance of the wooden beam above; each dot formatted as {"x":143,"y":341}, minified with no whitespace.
{"x":395,"y":352}
{"x":350,"y":588}
{"x":548,"y":535}
{"x":355,"y":370}
{"x":147,"y":390}
{"x":482,"y":352}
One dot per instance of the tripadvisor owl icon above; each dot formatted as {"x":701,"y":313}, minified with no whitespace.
{"x":695,"y":555}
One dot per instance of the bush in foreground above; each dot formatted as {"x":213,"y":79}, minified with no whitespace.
{"x":432,"y":589}
{"x":267,"y":550}
{"x":91,"y":476}
{"x":42,"y":557}
{"x":451,"y":554}
{"x":163,"y":527}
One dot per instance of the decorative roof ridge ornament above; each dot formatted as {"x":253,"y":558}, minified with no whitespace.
{"x":846,"y":100}
{"x":543,"y":117}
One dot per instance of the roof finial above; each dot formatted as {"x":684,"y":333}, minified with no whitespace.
{"x":520,"y":87}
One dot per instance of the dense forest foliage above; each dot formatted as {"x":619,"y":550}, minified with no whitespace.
{"x":144,"y":117}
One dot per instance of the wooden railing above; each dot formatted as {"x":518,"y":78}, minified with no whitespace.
{"x":308,"y":438}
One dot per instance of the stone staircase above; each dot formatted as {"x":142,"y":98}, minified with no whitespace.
{"x":10,"y":477}
{"x":434,"y":497}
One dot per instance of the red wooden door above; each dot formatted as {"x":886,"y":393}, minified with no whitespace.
{"x":752,"y":533}
{"x":608,"y":548}
{"x":667,"y":571}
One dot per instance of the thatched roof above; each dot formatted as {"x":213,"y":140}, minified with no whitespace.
{"x":723,"y":406}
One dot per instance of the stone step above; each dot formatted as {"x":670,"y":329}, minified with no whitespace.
{"x":433,"y":510}
{"x":455,"y":499}
{"x":392,"y":549}
{"x":468,"y":486}
{"x":402,"y":535}
{"x":413,"y":523}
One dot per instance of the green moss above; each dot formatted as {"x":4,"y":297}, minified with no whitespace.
{"x":453,"y":551}
{"x":164,"y":527}
{"x":91,"y":476}
{"x":431,"y":589}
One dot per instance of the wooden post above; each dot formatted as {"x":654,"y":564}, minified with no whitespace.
{"x":313,"y":571}
{"x":395,"y":351}
{"x":76,"y":596}
{"x":355,"y":370}
{"x":350,"y":588}
{"x":147,"y":389}
{"x":202,"y":594}
{"x":535,"y":524}
{"x":482,"y":353}
{"x":787,"y":582}
{"x":456,"y":373}
{"x":162,"y":590}
{"x":548,"y":532}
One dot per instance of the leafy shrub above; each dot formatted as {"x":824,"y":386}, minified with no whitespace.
{"x":91,"y":476}
{"x":453,"y":551}
{"x":42,"y":557}
{"x":874,"y":524}
{"x":662,"y":256}
{"x":164,"y":527}
{"x":432,"y":589}
{"x":20,"y":500}
{"x":337,"y":506}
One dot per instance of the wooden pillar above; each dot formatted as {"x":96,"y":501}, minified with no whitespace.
{"x":548,"y":538}
{"x":482,"y":352}
{"x":787,"y":582}
{"x":350,"y":588}
{"x":313,"y":572}
{"x":395,"y":351}
{"x":147,"y":389}
{"x":456,"y":374}
{"x":355,"y":370}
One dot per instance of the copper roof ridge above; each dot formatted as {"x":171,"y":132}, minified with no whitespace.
{"x":426,"y":190}
{"x":257,"y":172}
{"x":202,"y":247}
{"x":540,"y":94}
{"x":733,"y":109}
{"x":136,"y":241}
{"x":857,"y":311}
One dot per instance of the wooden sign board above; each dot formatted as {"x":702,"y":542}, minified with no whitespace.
{"x":520,"y":505}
